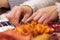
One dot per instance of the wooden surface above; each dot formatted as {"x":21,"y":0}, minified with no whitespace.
{"x":4,"y":3}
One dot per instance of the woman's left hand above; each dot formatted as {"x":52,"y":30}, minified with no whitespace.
{"x":44,"y":15}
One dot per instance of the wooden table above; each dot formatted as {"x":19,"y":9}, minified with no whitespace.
{"x":4,"y":10}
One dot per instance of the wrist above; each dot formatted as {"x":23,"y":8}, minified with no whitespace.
{"x":27,"y":8}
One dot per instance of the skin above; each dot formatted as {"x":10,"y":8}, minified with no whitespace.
{"x":44,"y":15}
{"x":15,"y":14}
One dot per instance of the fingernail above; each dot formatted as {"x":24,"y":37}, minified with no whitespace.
{"x":21,"y":22}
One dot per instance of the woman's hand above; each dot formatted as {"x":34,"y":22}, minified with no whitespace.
{"x":15,"y":14}
{"x":44,"y":15}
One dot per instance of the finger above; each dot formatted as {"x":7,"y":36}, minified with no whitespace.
{"x":31,"y":17}
{"x":17,"y":16}
{"x":43,"y":17}
{"x":26,"y":16}
{"x":11,"y":13}
{"x":51,"y":18}
{"x":12,"y":16}
{"x":37,"y":16}
{"x":47,"y":20}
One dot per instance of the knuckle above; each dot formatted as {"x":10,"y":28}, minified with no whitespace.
{"x":10,"y":17}
{"x":15,"y":7}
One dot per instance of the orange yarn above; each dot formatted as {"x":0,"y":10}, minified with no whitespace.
{"x":34,"y":28}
